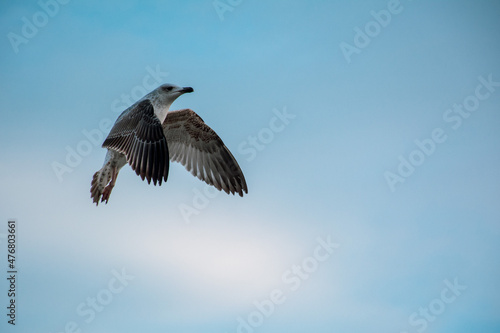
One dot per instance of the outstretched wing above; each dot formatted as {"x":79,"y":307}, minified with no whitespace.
{"x":195,"y":145}
{"x":138,"y":134}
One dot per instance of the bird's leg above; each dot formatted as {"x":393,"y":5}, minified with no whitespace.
{"x":107,"y":190}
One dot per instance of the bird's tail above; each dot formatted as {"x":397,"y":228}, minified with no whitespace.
{"x":99,"y":181}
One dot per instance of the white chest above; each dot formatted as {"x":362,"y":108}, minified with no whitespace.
{"x":161,"y":111}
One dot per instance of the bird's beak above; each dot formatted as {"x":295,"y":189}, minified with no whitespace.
{"x":186,"y":90}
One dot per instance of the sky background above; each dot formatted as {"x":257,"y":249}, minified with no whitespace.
{"x":429,"y":244}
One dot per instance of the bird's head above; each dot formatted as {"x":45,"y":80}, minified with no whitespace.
{"x":163,"y":96}
{"x":169,"y":92}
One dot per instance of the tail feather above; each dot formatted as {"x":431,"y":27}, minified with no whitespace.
{"x":99,"y":182}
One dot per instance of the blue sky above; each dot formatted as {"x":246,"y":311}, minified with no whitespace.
{"x":323,"y":241}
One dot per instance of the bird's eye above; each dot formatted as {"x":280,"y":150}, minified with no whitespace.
{"x":167,"y":88}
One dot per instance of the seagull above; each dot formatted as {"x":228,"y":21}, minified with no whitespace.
{"x":147,"y":135}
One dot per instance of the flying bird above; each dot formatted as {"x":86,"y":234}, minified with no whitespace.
{"x":147,"y":136}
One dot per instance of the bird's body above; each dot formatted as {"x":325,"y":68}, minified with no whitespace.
{"x":147,"y":136}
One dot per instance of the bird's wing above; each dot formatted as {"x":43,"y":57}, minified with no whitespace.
{"x":195,"y":145}
{"x":138,"y":135}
